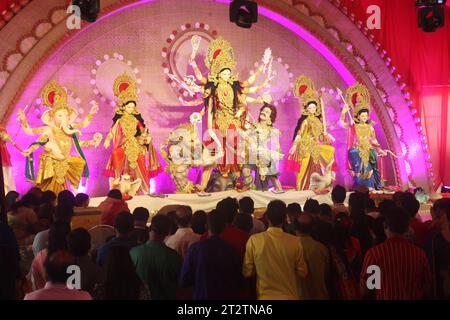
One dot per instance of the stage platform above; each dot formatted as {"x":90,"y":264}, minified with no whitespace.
{"x":208,"y":202}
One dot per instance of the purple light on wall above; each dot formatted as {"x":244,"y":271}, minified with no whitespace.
{"x":310,"y":39}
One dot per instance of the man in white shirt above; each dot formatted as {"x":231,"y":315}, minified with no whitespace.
{"x":247,"y":206}
{"x":184,"y":237}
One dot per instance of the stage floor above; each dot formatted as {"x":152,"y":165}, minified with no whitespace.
{"x":207,"y":203}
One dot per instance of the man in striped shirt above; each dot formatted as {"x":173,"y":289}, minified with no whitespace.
{"x":404,"y":271}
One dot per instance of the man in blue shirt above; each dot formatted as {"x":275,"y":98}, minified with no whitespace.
{"x":212,"y":267}
{"x":123,"y":224}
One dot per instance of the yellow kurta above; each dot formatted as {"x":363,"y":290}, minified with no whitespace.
{"x":277,"y":260}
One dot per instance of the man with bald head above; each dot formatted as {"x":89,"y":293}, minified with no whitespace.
{"x":56,"y":267}
{"x":184,"y":237}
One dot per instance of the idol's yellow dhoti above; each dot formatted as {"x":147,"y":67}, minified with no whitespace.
{"x":53,"y":174}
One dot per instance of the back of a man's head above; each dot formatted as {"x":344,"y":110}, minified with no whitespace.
{"x":141,"y":214}
{"x":48,"y":197}
{"x":183,"y":216}
{"x":303,"y":224}
{"x":325,"y":210}
{"x":441,"y":207}
{"x":243,"y":222}
{"x":64,"y":213}
{"x":385,"y":206}
{"x":160,"y":227}
{"x":82,"y":200}
{"x":124,"y":223}
{"x":115,"y":194}
{"x":79,"y":242}
{"x":338,"y":194}
{"x":312,"y":207}
{"x":56,"y":266}
{"x":410,"y":204}
{"x":397,"y":220}
{"x":216,"y":223}
{"x":246,"y":205}
{"x":276,"y":213}
{"x":67,"y":199}
{"x":229,"y":208}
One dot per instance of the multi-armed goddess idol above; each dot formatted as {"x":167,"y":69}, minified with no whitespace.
{"x":311,"y":154}
{"x":131,"y":140}
{"x":362,"y":156}
{"x":58,"y":136}
{"x":226,"y":99}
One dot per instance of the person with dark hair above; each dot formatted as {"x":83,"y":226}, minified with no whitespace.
{"x":61,"y":213}
{"x":371,"y":209}
{"x":237,"y":238}
{"x":293,"y":211}
{"x":56,"y":266}
{"x":123,"y":224}
{"x":315,"y":285}
{"x":57,"y":240}
{"x":247,"y":206}
{"x":346,"y":243}
{"x":82,"y":200}
{"x":67,"y":199}
{"x":405,"y":271}
{"x":361,"y":222}
{"x":338,"y":195}
{"x":438,"y":249}
{"x":133,"y":153}
{"x":79,"y":243}
{"x":418,"y":229}
{"x":275,"y":257}
{"x":49,"y":197}
{"x":184,"y":237}
{"x":321,"y":231}
{"x":111,"y":207}
{"x":199,"y":222}
{"x":173,"y":222}
{"x":243,"y":222}
{"x":36,"y":194}
{"x":10,"y":199}
{"x":45,"y":216}
{"x":212,"y":267}
{"x":156,"y":264}
{"x":325,"y":213}
{"x":23,"y":220}
{"x":121,"y":280}
{"x":141,"y":231}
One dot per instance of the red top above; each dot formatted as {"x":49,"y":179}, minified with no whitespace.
{"x":234,"y":236}
{"x":404,"y":269}
{"x":420,"y":230}
{"x":110,"y":208}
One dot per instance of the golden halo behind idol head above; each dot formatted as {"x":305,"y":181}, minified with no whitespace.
{"x":305,"y":90}
{"x":125,"y":90}
{"x":358,"y":97}
{"x":220,"y":55}
{"x":54,"y":97}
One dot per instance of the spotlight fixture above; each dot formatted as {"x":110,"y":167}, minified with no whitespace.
{"x":430,"y":14}
{"x":89,"y":9}
{"x":244,"y":13}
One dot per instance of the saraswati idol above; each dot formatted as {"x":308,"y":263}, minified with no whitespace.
{"x":132,"y":153}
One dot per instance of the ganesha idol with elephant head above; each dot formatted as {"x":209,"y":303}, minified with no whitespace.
{"x":58,"y":136}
